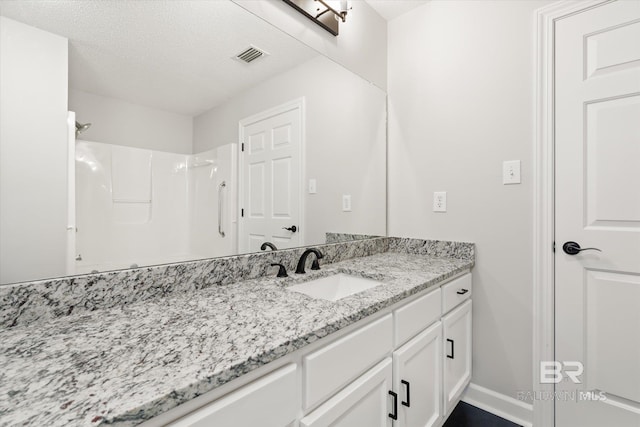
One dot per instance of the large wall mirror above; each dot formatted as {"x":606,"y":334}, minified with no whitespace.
{"x":191,"y":152}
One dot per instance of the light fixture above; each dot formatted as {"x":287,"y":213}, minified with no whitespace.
{"x":340,"y":13}
{"x":325,"y":13}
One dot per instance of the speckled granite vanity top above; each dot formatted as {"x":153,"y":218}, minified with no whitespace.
{"x":124,"y":365}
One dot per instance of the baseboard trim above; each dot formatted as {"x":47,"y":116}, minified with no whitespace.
{"x":498,"y":404}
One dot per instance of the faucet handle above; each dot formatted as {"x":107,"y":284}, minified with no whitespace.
{"x":315,"y":265}
{"x":282,"y":271}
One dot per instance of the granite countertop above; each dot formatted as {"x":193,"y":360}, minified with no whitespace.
{"x":125,"y":365}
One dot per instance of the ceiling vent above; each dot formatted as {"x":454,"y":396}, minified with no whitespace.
{"x":250,"y":54}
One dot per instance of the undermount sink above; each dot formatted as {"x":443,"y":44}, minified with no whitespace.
{"x":333,"y":288}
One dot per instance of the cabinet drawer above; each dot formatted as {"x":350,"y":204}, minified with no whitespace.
{"x":270,"y":401}
{"x":365,"y":402}
{"x":416,"y":316}
{"x":456,"y":292}
{"x":334,"y":366}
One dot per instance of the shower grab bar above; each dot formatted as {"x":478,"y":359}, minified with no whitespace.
{"x":222,"y":185}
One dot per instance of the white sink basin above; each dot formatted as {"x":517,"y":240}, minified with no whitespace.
{"x":335,"y":287}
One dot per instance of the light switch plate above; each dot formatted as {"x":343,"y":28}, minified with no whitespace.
{"x":440,"y":201}
{"x":346,"y":203}
{"x":511,"y":172}
{"x":312,"y":186}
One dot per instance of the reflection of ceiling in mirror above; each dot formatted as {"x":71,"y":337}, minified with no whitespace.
{"x":176,"y":56}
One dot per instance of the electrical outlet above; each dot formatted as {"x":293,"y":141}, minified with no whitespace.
{"x":346,"y":203}
{"x":312,"y":186}
{"x":511,"y":172}
{"x":440,"y":201}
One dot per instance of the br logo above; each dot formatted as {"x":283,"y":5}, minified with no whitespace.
{"x":552,"y":372}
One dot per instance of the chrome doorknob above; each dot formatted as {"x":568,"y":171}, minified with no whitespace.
{"x":292,"y":229}
{"x":573,"y":248}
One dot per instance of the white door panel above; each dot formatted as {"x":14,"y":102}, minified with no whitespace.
{"x":271,"y":165}
{"x":612,"y":364}
{"x":598,"y":205}
{"x":612,"y":126}
{"x":607,"y":50}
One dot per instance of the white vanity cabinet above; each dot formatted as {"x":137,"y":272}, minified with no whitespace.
{"x":419,"y":381}
{"x":406,"y":367}
{"x":405,"y":388}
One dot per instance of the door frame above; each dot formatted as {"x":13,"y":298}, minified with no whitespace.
{"x":299,"y":104}
{"x":543,"y":199}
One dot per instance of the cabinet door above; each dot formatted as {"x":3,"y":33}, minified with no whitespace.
{"x":457,"y":354}
{"x":335,"y":365}
{"x":417,"y":378}
{"x":270,"y":401}
{"x":364,"y":402}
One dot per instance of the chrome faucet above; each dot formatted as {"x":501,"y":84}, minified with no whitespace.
{"x":303,"y":260}
{"x":266,"y":245}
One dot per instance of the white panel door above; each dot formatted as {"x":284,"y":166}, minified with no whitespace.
{"x":598,"y":205}
{"x":270,"y":175}
{"x":417,"y":378}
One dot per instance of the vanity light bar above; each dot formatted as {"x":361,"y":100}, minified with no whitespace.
{"x":250,"y":54}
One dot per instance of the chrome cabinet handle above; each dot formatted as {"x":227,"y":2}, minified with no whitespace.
{"x":221,"y":186}
{"x":573,"y":248}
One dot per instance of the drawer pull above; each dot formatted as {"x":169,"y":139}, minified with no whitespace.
{"x":394,"y":415}
{"x":408,"y":402}
{"x":462,"y":291}
{"x":452,"y":349}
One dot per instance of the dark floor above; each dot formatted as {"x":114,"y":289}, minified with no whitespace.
{"x":465,"y":415}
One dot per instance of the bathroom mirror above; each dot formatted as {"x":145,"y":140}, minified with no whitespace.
{"x":211,"y":132}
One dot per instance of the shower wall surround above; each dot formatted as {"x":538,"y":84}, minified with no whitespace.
{"x":148,"y":207}
{"x":31,"y":302}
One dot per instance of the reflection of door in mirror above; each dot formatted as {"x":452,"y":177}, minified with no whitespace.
{"x":270,"y":177}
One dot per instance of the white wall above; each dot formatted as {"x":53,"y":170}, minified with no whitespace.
{"x":345,"y":142}
{"x":33,"y":152}
{"x":361,"y":45}
{"x":114,"y":121}
{"x":461,"y":78}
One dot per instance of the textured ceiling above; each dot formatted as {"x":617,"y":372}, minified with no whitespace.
{"x":390,"y":9}
{"x":172,"y":55}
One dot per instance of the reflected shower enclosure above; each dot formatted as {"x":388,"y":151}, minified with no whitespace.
{"x":144,"y":207}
